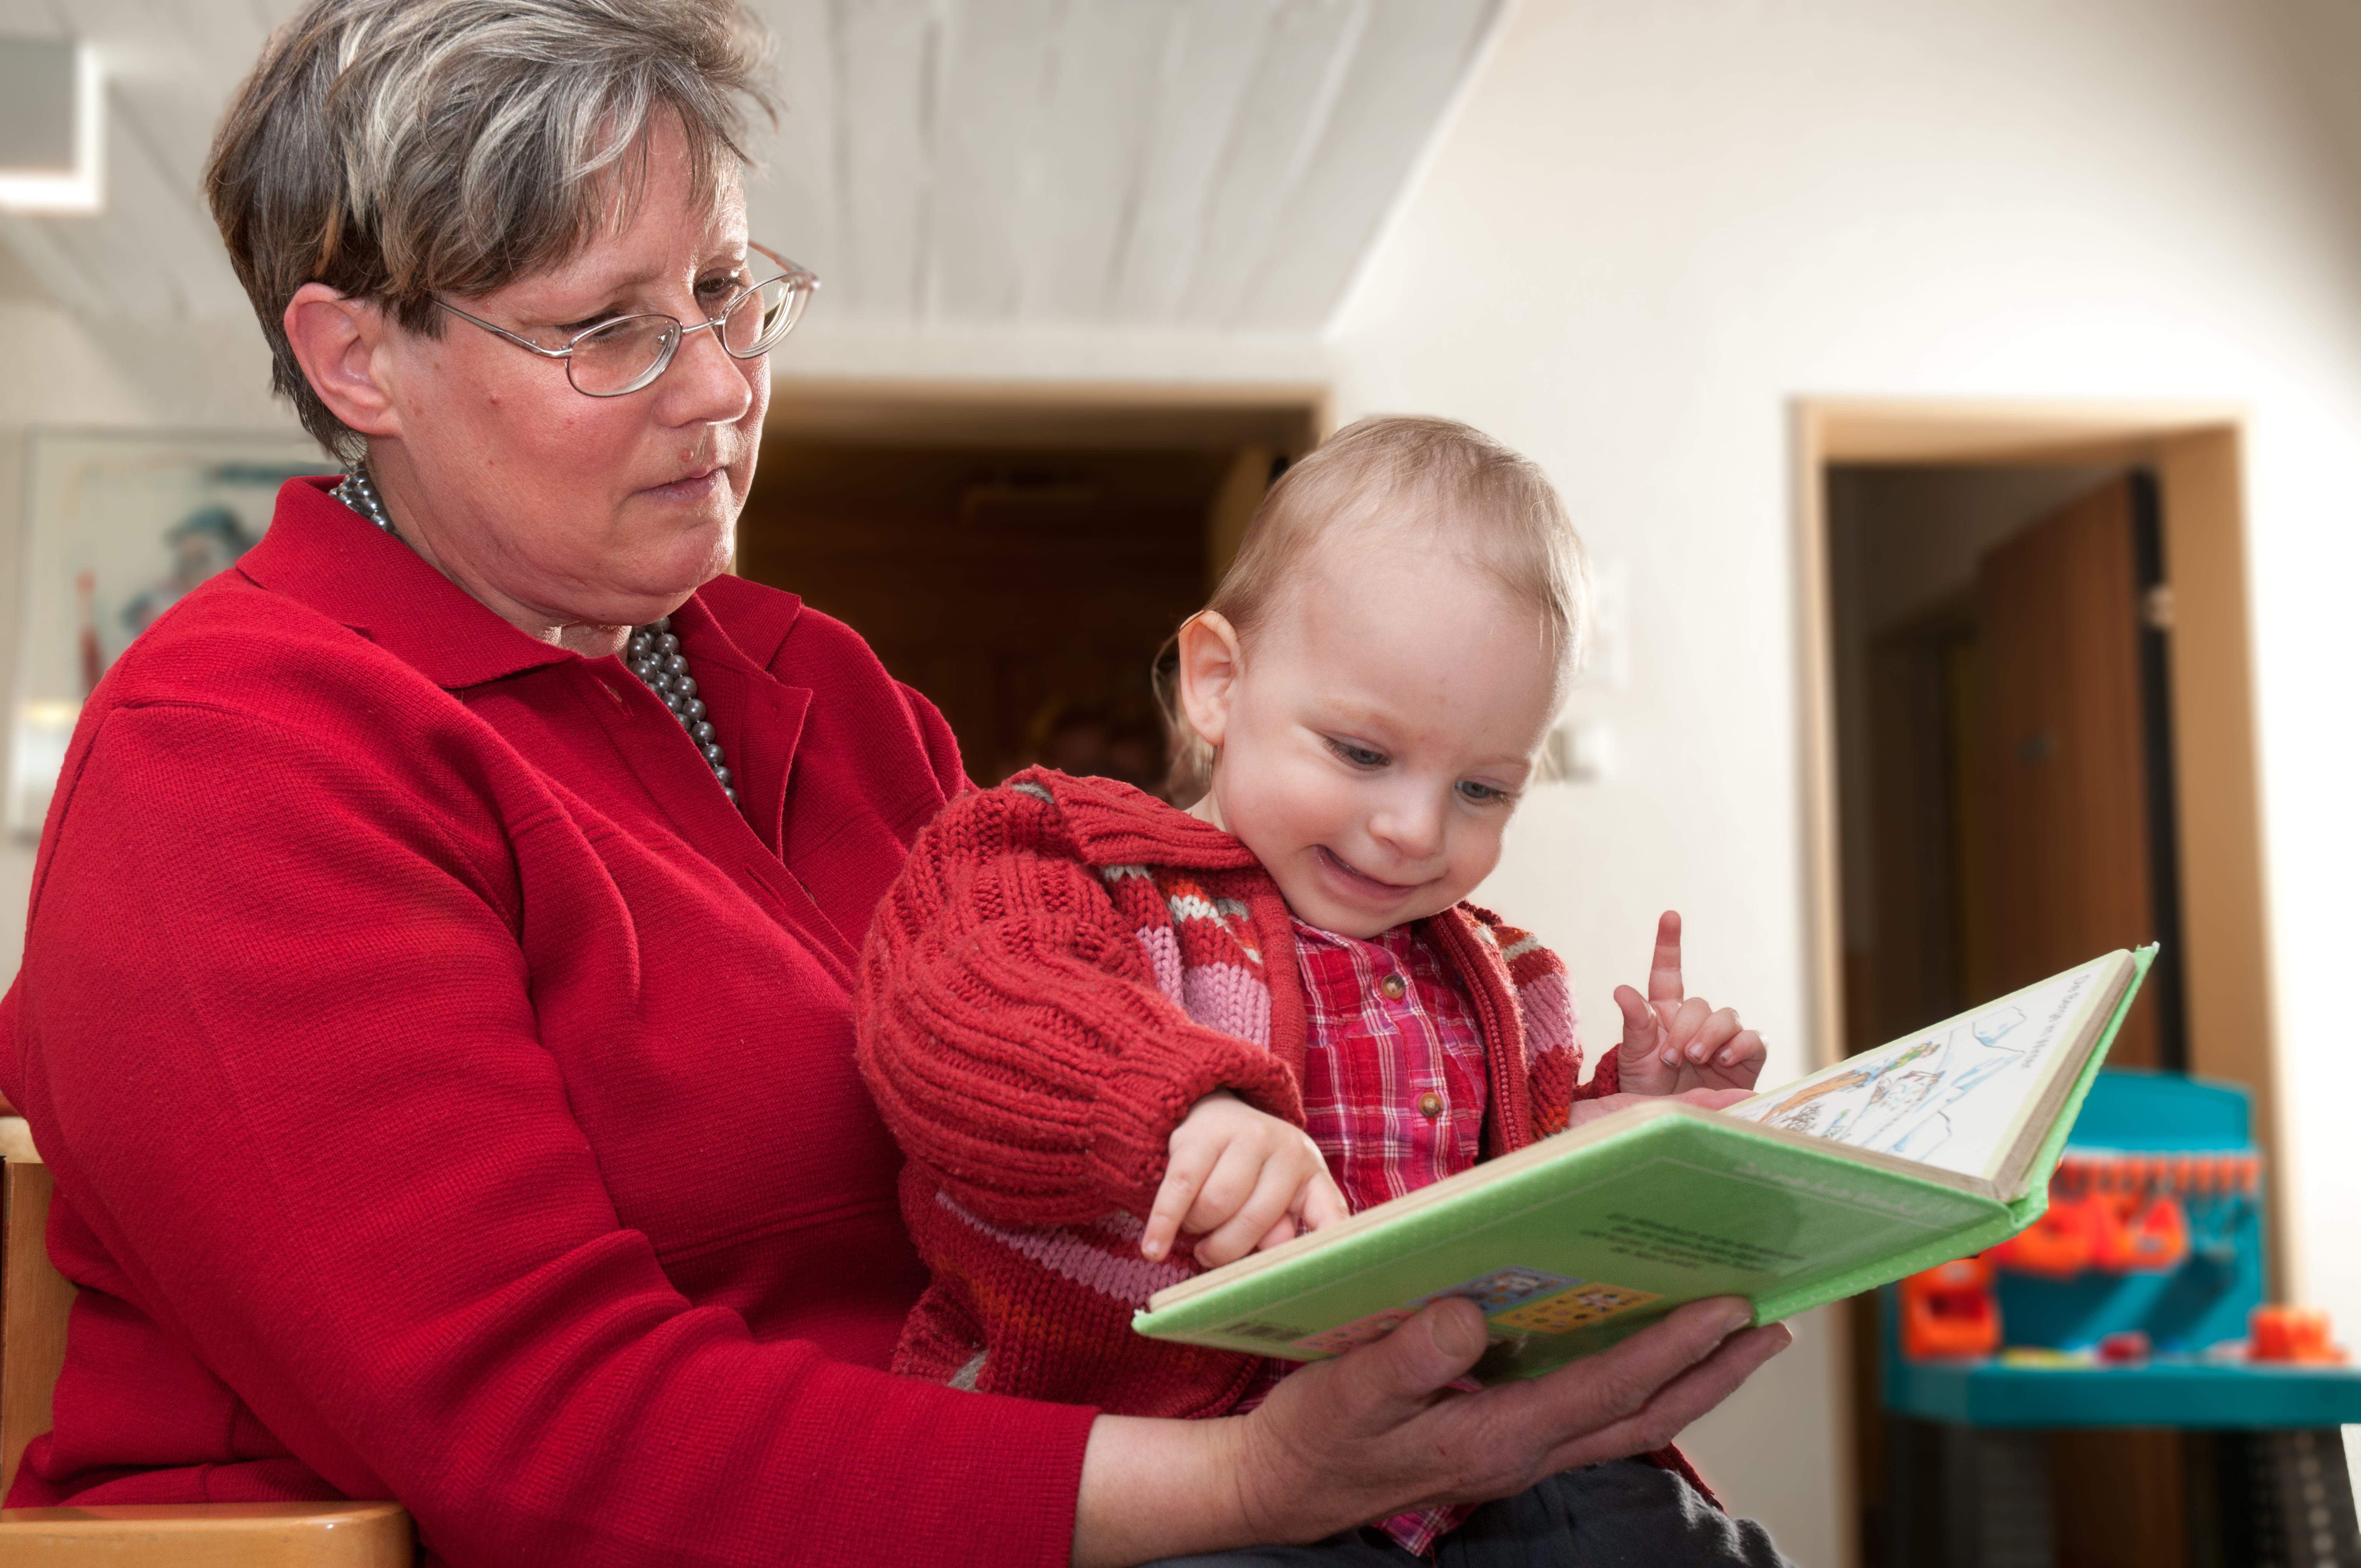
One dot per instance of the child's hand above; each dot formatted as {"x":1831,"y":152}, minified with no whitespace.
{"x":1672,"y":1043}
{"x":1240,"y":1179}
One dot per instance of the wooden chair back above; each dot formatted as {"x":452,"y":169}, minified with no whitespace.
{"x":35,"y":1300}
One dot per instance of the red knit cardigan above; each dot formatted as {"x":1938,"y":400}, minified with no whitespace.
{"x":451,"y":1096}
{"x":1064,"y":967}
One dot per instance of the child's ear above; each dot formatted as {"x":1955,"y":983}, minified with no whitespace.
{"x":1209,"y":672}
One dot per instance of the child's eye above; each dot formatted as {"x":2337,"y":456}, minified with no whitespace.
{"x":1360,"y":756}
{"x":1483,"y":794}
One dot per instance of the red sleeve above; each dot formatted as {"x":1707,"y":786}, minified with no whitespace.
{"x":942,"y":746}
{"x":1013,"y":1035}
{"x":304,"y":1109}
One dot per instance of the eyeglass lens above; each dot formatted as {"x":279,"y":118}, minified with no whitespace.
{"x":626,"y":355}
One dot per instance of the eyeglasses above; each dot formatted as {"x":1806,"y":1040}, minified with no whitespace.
{"x":618,"y":358}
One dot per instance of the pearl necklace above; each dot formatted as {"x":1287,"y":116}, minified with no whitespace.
{"x":653,"y":652}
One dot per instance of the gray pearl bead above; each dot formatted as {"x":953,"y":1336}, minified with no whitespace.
{"x":652,"y":654}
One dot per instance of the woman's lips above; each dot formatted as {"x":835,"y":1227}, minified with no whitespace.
{"x":695,"y":488}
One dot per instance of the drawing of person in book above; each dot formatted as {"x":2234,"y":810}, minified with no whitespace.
{"x":1902,"y":1104}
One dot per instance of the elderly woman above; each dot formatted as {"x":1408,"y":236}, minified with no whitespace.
{"x":434,"y":1003}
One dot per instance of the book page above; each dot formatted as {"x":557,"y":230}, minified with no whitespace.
{"x":1955,"y":1097}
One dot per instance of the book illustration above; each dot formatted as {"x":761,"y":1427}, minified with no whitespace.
{"x":1502,"y":1288}
{"x":1591,"y":1303}
{"x":1526,"y":1300}
{"x":1360,"y":1331}
{"x":1945,"y":1099}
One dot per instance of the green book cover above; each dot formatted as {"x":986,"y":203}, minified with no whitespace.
{"x":1923,"y":1150}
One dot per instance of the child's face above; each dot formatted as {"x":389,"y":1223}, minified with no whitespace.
{"x":1374,"y":742}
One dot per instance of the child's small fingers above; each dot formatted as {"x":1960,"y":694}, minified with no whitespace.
{"x":1226,"y":1189}
{"x":1324,"y":1203}
{"x":1282,"y":1232}
{"x":1268,"y":1204}
{"x":1713,"y":1034}
{"x":1744,"y":1047}
{"x":1685,"y":1022}
{"x":1174,"y":1198}
{"x":1642,"y":1028}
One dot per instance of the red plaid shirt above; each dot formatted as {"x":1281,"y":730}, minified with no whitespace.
{"x":1393,"y":1089}
{"x":1393,"y":1063}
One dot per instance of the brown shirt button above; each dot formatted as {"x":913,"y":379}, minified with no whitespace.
{"x":1430,"y":1104}
{"x":1392,"y":987}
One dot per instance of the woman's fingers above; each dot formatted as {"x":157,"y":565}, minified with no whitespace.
{"x":1675,"y":1403}
{"x":1387,"y":1382}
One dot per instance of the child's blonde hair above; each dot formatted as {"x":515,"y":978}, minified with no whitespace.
{"x":1467,"y":491}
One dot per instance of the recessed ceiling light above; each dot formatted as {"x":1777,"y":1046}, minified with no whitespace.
{"x":52,"y":117}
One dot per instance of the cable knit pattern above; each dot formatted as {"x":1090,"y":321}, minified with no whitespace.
{"x":1066,"y":967}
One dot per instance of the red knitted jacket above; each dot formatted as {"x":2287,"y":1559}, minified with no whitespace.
{"x":1064,"y":968}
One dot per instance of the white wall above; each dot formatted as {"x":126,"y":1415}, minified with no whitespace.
{"x":57,"y":374}
{"x":1648,"y":228}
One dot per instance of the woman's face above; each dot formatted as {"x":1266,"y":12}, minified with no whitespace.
{"x":566,"y":513}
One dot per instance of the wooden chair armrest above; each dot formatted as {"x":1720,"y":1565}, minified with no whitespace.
{"x":208,"y":1535}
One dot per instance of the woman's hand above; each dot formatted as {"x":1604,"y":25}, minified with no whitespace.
{"x":1240,"y":1178}
{"x":1673,"y":1042}
{"x":1377,"y":1431}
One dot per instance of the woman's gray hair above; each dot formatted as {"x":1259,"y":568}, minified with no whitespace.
{"x":396,"y":150}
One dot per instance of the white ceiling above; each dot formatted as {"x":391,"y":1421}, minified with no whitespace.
{"x":1189,"y":164}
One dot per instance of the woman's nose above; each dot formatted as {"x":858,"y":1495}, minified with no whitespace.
{"x":703,"y":385}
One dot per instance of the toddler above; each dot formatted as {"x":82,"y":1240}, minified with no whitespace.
{"x":1120,"y":1042}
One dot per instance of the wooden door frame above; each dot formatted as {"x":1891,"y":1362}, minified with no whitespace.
{"x":2196,"y":454}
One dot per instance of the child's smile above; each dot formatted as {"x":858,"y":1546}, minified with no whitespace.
{"x":1373,"y":739}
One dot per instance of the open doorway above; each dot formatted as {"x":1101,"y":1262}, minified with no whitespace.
{"x":1018,"y":556}
{"x":2031,"y":740}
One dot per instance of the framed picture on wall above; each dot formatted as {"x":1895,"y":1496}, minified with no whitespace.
{"x":118,"y":530}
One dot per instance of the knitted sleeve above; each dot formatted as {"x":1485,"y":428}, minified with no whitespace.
{"x":1012,"y":1032}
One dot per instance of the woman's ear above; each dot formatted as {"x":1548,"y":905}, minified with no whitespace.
{"x":1209,"y":666}
{"x":336,"y":340}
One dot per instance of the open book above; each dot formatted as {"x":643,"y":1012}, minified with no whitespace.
{"x":1889,"y":1162}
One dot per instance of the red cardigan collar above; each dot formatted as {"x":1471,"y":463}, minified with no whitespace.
{"x":320,"y":553}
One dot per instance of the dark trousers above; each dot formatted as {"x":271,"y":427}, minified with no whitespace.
{"x":1609,"y":1515}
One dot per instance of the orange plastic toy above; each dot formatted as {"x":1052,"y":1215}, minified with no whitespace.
{"x":2156,"y":1241}
{"x":1949,"y":1312}
{"x":2294,"y":1335}
{"x":2059,"y":1244}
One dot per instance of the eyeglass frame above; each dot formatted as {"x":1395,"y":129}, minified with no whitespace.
{"x":800,"y":280}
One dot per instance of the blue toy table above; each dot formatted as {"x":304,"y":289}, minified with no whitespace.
{"x":2262,"y":1439}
